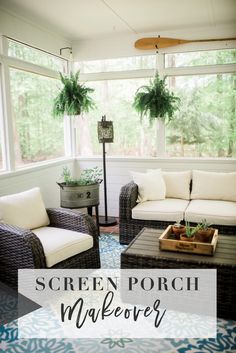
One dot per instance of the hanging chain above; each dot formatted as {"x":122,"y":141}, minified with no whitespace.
{"x":156,"y":67}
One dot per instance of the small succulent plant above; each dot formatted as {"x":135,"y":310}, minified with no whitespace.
{"x":190,"y":231}
{"x":204,"y":225}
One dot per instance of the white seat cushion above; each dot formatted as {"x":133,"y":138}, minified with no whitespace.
{"x":162,"y":210}
{"x":215,"y":212}
{"x":60,"y":244}
{"x":25,"y":209}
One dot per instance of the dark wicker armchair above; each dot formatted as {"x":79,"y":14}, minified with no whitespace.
{"x":130,"y":227}
{"x":21,"y":248}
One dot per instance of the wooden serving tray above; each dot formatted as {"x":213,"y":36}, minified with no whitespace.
{"x":167,"y":242}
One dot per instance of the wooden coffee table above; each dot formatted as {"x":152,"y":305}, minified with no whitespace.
{"x":144,"y":252}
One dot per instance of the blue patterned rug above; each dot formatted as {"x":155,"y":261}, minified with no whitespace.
{"x":110,"y":258}
{"x":110,"y":250}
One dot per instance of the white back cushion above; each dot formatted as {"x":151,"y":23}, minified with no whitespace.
{"x":177,"y":184}
{"x":151,"y":186}
{"x":213,"y":186}
{"x":25,"y":209}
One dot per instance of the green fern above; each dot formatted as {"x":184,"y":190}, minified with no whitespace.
{"x":155,"y":100}
{"x":74,"y":98}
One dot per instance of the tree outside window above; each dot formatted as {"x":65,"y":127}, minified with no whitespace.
{"x":37,"y":135}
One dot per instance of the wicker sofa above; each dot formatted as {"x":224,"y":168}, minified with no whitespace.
{"x":21,"y":248}
{"x":131,"y":222}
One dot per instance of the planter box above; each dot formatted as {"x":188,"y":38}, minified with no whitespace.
{"x":79,"y":196}
{"x":167,"y":242}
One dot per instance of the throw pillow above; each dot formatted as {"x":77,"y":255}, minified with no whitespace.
{"x":214,"y":186}
{"x":151,"y":186}
{"x":25,"y":209}
{"x":177,"y":184}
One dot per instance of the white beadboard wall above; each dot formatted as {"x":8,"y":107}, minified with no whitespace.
{"x":118,"y":172}
{"x":43,"y":176}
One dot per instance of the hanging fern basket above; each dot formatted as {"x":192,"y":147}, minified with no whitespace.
{"x":156,"y":101}
{"x":74,"y":97}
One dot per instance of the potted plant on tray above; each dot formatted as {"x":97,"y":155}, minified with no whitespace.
{"x":81,"y":192}
{"x":204,"y":233}
{"x":178,"y":229}
{"x":190,"y":232}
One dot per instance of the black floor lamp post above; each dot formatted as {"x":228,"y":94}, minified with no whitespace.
{"x":105,"y":135}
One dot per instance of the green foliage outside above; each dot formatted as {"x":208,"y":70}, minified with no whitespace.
{"x":204,"y":125}
{"x":35,"y":56}
{"x":131,"y":138}
{"x":37,"y":136}
{"x":206,"y":122}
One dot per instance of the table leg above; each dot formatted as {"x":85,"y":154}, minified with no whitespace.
{"x":90,"y":210}
{"x":97,"y":219}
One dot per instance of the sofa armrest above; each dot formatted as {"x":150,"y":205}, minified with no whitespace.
{"x":72,"y":220}
{"x":19,"y":248}
{"x":128,"y":198}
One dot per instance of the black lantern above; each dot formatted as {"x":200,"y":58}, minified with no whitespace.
{"x":105,"y":131}
{"x":105,"y":135}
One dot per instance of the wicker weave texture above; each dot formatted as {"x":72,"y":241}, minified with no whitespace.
{"x":138,"y":257}
{"x":21,"y":248}
{"x":226,"y":292}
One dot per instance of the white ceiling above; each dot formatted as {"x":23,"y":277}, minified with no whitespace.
{"x":93,"y":19}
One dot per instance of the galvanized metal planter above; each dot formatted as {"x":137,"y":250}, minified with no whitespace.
{"x":79,"y":196}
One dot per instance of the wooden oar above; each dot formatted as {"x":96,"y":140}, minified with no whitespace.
{"x":158,"y":42}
